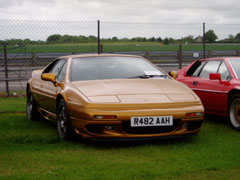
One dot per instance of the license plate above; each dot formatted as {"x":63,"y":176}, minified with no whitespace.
{"x":152,"y":121}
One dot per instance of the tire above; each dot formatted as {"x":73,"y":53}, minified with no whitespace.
{"x":234,"y":111}
{"x":64,"y":125}
{"x":31,"y":107}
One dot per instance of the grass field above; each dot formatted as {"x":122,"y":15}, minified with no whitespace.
{"x":32,"y":150}
{"x":117,"y":47}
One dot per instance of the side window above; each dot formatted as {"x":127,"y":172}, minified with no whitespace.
{"x":199,"y":68}
{"x":50,"y":66}
{"x":224,"y":71}
{"x":210,"y":67}
{"x":62,"y":72}
{"x":57,"y":68}
{"x":193,"y":68}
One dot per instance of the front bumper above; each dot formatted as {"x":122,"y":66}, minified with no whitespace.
{"x":86,"y":126}
{"x":115,"y":129}
{"x":140,"y":138}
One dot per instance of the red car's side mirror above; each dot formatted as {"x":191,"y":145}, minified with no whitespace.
{"x":215,"y":76}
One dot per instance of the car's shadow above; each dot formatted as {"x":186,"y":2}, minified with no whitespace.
{"x":134,"y":143}
{"x":217,"y":119}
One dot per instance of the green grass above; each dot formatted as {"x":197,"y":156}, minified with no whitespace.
{"x":32,"y":150}
{"x":117,"y":47}
{"x":12,"y":104}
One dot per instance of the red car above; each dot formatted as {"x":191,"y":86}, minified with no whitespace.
{"x":217,"y":82}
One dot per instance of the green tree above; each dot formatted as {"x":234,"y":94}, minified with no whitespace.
{"x":188,"y":39}
{"x":159,"y":39}
{"x":171,"y":40}
{"x":166,"y":41}
{"x":115,"y":39}
{"x":210,"y":36}
{"x":231,"y":37}
{"x":27,"y":41}
{"x":54,"y":38}
{"x":152,"y":39}
{"x":92,"y":38}
{"x":237,"y":37}
{"x":82,"y":38}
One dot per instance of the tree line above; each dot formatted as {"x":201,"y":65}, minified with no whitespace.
{"x":210,"y":37}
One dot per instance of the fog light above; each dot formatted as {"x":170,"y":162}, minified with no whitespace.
{"x":104,"y":117}
{"x":184,"y":125}
{"x":194,"y":114}
{"x":111,"y":127}
{"x":108,"y":127}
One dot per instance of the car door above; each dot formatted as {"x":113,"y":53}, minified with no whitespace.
{"x":48,"y":89}
{"x":211,"y":92}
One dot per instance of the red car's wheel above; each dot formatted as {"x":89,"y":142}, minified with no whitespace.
{"x":64,"y":126}
{"x":234,"y":111}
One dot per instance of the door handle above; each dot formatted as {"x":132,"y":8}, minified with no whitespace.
{"x":195,"y":83}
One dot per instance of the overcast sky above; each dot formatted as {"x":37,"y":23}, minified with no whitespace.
{"x":214,"y":11}
{"x":66,"y":16}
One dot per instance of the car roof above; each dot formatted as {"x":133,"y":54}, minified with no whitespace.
{"x":217,"y":58}
{"x":98,"y":55}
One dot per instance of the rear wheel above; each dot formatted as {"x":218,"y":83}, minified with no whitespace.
{"x":31,"y":107}
{"x":64,"y":125}
{"x":234,"y":111}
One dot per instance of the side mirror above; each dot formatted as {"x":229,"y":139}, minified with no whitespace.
{"x":215,"y":76}
{"x":173,"y":74}
{"x":49,"y":77}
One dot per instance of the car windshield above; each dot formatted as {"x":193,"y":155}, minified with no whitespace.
{"x":96,"y":68}
{"x":236,"y":66}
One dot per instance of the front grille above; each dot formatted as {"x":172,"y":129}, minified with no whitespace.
{"x":150,"y":129}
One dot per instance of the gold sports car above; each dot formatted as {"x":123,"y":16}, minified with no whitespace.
{"x":112,"y":97}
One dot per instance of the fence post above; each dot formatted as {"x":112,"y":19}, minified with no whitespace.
{"x":146,"y":55}
{"x":33,"y":59}
{"x":98,"y":29}
{"x":237,"y":53}
{"x":6,"y":67}
{"x":204,"y":41}
{"x":101,"y":48}
{"x":180,"y":56}
{"x":209,"y":53}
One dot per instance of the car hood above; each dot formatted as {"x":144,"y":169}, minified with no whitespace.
{"x":135,"y":91}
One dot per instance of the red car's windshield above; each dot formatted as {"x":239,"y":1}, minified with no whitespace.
{"x":236,"y":66}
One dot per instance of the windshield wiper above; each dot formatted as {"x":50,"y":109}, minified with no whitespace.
{"x":148,"y":76}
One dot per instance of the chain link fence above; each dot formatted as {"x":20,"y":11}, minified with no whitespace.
{"x":29,"y":45}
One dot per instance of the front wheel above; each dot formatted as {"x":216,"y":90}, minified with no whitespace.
{"x":234,"y":111}
{"x":64,"y":125}
{"x":31,"y":107}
